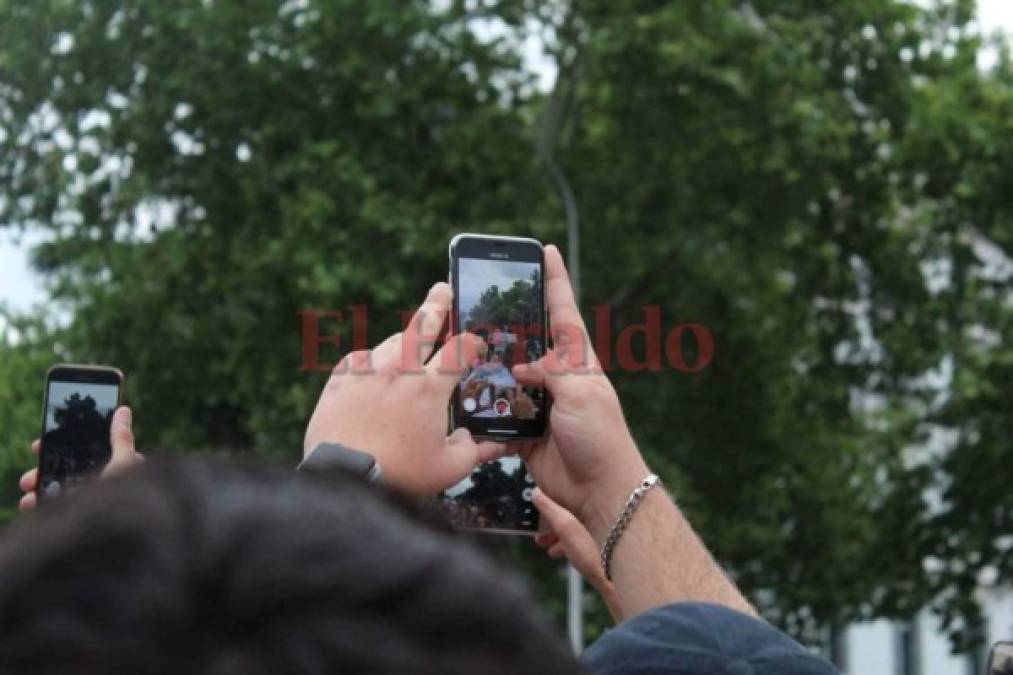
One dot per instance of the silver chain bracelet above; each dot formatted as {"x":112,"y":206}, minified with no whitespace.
{"x":623,"y":521}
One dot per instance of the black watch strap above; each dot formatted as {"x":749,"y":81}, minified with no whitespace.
{"x":336,"y":457}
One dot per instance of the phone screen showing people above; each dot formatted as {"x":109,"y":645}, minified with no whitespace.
{"x":75,"y":440}
{"x":501,"y":301}
{"x":499,"y":295}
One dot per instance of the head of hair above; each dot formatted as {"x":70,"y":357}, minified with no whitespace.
{"x":197,"y":566}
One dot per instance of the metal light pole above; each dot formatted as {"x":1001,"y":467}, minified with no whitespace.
{"x":574,"y":583}
{"x":575,"y":609}
{"x":555,"y":113}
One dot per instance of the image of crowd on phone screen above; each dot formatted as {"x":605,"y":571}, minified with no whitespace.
{"x":496,"y":495}
{"x":505,"y":310}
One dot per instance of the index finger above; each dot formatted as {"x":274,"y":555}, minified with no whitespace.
{"x":564,"y":316}
{"x":36,"y":446}
{"x":558,"y":292}
{"x":424,"y":328}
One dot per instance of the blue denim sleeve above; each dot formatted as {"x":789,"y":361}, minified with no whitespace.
{"x":697,"y":638}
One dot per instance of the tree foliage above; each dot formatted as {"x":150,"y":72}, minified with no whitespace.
{"x":518,"y":306}
{"x":28,"y":346}
{"x":820,"y":184}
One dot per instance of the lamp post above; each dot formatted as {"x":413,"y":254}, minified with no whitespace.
{"x":560,"y":102}
{"x":574,"y":583}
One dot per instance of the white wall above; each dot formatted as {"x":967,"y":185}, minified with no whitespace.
{"x":871,"y":648}
{"x":936,"y":657}
{"x":999,"y":610}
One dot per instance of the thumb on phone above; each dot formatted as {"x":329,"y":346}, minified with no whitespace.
{"x":121,"y":436}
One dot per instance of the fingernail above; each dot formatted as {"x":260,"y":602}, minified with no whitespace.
{"x":127,"y":416}
{"x":459,"y":435}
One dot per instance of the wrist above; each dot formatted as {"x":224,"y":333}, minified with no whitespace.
{"x":608,"y":496}
{"x":337,"y":457}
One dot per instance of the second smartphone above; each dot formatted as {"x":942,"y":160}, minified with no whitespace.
{"x":77,"y":414}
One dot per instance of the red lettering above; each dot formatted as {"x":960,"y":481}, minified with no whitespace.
{"x":704,"y":346}
{"x":603,"y":335}
{"x":651,"y":330}
{"x":311,"y":339}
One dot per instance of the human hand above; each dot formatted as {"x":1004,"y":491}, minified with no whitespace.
{"x":121,"y":437}
{"x":589,"y":463}
{"x":566,"y":537}
{"x":386,"y":403}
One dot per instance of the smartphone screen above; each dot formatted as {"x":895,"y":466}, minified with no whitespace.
{"x":496,"y":497}
{"x":499,"y":295}
{"x":79,"y":406}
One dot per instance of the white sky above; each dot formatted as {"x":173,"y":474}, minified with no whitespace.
{"x":994,"y":14}
{"x":21,"y":288}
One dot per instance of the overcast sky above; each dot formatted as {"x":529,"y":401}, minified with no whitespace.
{"x":21,"y":288}
{"x":995,"y":14}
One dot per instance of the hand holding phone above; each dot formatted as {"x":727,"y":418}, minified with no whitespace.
{"x":589,"y":462}
{"x":80,"y":404}
{"x":391,"y":402}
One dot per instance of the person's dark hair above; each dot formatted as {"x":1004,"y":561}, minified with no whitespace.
{"x":193,"y":566}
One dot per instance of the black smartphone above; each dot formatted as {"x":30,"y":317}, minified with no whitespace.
{"x":499,"y":295}
{"x":76,"y":417}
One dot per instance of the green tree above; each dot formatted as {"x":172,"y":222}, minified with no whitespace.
{"x":516,"y":306}
{"x":28,"y":346}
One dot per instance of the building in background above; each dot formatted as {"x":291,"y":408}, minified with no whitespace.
{"x":919,"y":646}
